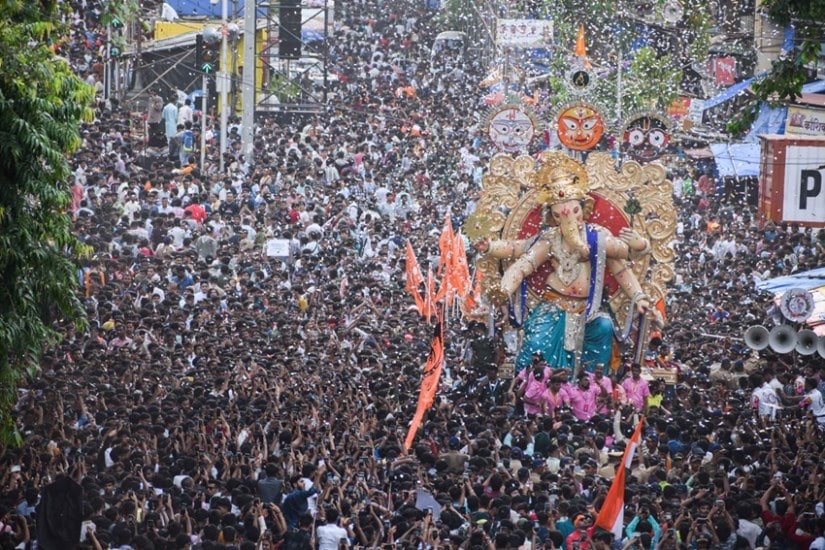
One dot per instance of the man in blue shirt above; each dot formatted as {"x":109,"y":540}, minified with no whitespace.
{"x":296,"y":503}
{"x":170,"y":119}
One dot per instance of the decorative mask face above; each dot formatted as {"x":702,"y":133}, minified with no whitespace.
{"x":580,"y":127}
{"x":645,"y":138}
{"x":511,"y":130}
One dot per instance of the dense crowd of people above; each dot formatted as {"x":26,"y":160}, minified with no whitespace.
{"x":252,"y":360}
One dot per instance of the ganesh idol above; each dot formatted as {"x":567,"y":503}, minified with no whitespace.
{"x":569,"y":326}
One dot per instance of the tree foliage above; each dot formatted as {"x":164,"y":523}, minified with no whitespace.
{"x":791,"y":70}
{"x":42,"y":103}
{"x":652,"y":81}
{"x":461,"y":15}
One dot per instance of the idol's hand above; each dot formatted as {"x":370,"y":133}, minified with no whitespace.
{"x":643,"y":305}
{"x":633,"y":240}
{"x":483,"y":245}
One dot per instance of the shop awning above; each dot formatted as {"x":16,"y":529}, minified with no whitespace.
{"x":736,"y":159}
{"x":740,"y":87}
{"x":814,"y":87}
{"x":771,"y":120}
{"x":731,"y":92}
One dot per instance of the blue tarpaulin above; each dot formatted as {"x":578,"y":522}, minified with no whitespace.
{"x":731,"y":92}
{"x":740,"y":87}
{"x":736,"y":159}
{"x":211,"y":9}
{"x":814,"y":87}
{"x":808,"y":280}
{"x":771,"y":120}
{"x":788,"y":35}
{"x":206,"y":8}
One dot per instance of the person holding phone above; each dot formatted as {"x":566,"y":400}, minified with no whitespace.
{"x":583,"y":528}
{"x":296,"y":502}
{"x":644,"y":522}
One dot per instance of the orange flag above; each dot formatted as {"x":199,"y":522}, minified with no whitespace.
{"x":470,"y":301}
{"x":581,"y":49}
{"x":662,"y":307}
{"x":429,"y":298}
{"x":445,"y":244}
{"x":445,"y":291}
{"x":414,"y":278}
{"x":460,"y":272}
{"x":611,"y":515}
{"x":429,"y":383}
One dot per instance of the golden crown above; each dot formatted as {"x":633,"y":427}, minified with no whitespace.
{"x":560,"y":179}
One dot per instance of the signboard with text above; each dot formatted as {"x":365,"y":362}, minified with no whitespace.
{"x":524,"y":33}
{"x":792,"y":179}
{"x":804,"y":193}
{"x":805,"y":121}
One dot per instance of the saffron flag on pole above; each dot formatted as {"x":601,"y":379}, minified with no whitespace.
{"x":470,"y":301}
{"x":581,"y":48}
{"x":446,"y":242}
{"x":429,"y":295}
{"x":459,"y":270}
{"x":414,"y":278}
{"x":445,"y":289}
{"x":429,"y":383}
{"x":611,"y":515}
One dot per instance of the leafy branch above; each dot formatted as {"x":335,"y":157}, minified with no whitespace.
{"x":790,"y":72}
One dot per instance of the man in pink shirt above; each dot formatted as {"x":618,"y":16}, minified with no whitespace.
{"x":582,"y":398}
{"x":636,"y":388}
{"x":531,"y":384}
{"x":599,"y":380}
{"x":555,"y":397}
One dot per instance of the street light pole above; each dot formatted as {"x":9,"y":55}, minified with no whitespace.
{"x":248,"y":82}
{"x":204,"y":96}
{"x":223,"y":81}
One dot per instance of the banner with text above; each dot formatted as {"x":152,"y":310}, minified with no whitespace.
{"x":524,"y":33}
{"x":804,"y":193}
{"x":808,"y":122}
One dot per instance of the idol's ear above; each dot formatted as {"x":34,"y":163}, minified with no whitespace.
{"x":587,"y":206}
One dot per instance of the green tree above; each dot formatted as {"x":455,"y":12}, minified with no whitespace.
{"x":649,"y":80}
{"x":461,"y":15}
{"x":652,"y":81}
{"x":42,"y":103}
{"x":789,"y":73}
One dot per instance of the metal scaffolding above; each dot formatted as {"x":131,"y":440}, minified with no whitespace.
{"x":294,"y":86}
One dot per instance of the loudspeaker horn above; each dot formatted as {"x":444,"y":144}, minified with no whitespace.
{"x":756,"y":337}
{"x":782,"y":339}
{"x":820,"y":346}
{"x":806,"y":342}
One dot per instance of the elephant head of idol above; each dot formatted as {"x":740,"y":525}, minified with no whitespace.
{"x":562,"y":186}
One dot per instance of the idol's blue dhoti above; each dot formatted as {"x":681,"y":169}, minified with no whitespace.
{"x":544,"y":332}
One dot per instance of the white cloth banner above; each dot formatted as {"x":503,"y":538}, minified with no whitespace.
{"x":524,"y":33}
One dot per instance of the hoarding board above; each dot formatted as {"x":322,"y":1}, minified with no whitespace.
{"x":804,"y":186}
{"x":808,"y":122}
{"x":524,"y":33}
